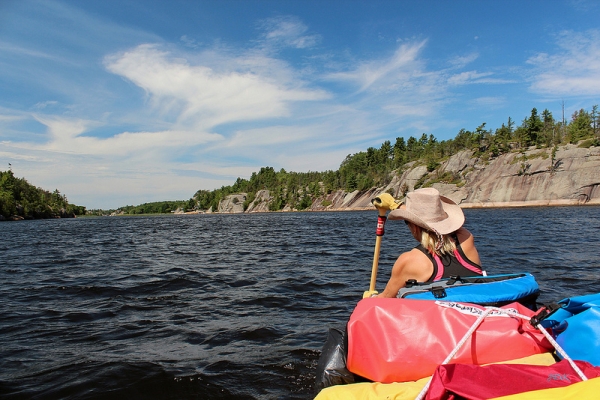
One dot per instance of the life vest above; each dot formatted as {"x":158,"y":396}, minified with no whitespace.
{"x":447,"y":265}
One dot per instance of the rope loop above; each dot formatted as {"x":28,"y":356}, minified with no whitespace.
{"x":478,"y":322}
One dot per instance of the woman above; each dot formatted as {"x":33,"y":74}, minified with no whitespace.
{"x":446,"y":248}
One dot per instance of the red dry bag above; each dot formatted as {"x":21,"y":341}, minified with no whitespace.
{"x":476,"y":382}
{"x":400,"y":340}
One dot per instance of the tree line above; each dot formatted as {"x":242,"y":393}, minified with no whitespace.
{"x":20,"y":199}
{"x":374,"y":167}
{"x":360,"y":171}
{"x":159,"y":207}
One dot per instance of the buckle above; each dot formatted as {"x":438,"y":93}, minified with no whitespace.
{"x":545,"y":313}
{"x":410,"y":283}
{"x":438,"y":292}
{"x":453,"y":280}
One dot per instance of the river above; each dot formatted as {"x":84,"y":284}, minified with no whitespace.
{"x":227,"y":306}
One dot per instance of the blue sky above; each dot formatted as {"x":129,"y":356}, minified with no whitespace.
{"x":126,"y":102}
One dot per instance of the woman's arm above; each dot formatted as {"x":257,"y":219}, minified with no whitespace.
{"x":467,"y":242}
{"x":410,"y":265}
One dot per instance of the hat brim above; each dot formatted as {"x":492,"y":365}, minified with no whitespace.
{"x":456,"y":218}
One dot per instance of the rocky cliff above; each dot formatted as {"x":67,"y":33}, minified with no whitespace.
{"x":531,"y":178}
{"x":534,"y":177}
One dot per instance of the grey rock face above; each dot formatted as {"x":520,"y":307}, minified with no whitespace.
{"x":527,"y":178}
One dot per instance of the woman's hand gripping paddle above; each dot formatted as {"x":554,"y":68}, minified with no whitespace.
{"x":383,"y":203}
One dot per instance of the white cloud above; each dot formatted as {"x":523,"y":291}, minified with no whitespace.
{"x":200,"y":95}
{"x":573,"y":71}
{"x":474,"y":77}
{"x":400,"y":85}
{"x":45,"y":104}
{"x":409,"y":110}
{"x":15,"y":155}
{"x":11,"y":118}
{"x":63,"y":130}
{"x":463,"y":61}
{"x":106,"y":177}
{"x":489,"y":101}
{"x":195,"y":98}
{"x":189,"y":42}
{"x":287,"y":31}
{"x":28,"y":52}
{"x":400,"y":68}
{"x":269,"y":136}
{"x":191,"y":117}
{"x":66,"y":135}
{"x":189,"y":95}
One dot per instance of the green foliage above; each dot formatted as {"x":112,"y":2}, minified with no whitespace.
{"x":595,"y":116}
{"x":305,"y":202}
{"x":404,"y":189}
{"x":445,"y":177}
{"x":523,"y":158}
{"x":376,"y":166}
{"x":580,"y":126}
{"x":589,"y":143}
{"x":432,"y":164}
{"x":524,"y":169}
{"x":532,"y":129}
{"x":19,"y":198}
{"x":553,"y":162}
{"x":360,"y":171}
{"x":421,"y":181}
{"x":159,"y":207}
{"x":249,"y":199}
{"x":399,"y":152}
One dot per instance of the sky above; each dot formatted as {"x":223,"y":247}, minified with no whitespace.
{"x":126,"y":102}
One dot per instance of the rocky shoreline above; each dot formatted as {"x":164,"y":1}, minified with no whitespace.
{"x":510,"y":204}
{"x":530,"y":178}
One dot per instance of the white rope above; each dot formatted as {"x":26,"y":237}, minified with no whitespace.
{"x":510,"y":313}
{"x":562,"y":352}
{"x":456,"y":348}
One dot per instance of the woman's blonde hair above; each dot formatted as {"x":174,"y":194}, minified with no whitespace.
{"x":431,"y":241}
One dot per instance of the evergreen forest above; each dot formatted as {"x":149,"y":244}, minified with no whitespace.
{"x":364,"y":170}
{"x":375,"y":166}
{"x":21,"y":200}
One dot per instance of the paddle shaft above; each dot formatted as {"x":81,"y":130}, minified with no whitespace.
{"x":380,"y":225}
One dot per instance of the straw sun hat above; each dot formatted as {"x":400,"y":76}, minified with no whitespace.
{"x":427,"y":209}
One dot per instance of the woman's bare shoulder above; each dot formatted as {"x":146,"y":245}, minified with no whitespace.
{"x":463,"y":234}
{"x":467,"y":243}
{"x":412,"y":257}
{"x":413,"y":264}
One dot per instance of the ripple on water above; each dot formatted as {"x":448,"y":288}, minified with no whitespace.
{"x":227,"y":306}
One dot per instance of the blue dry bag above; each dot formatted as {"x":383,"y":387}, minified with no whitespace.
{"x":577,"y":327}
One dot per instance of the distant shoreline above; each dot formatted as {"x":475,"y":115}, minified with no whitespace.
{"x":487,"y":205}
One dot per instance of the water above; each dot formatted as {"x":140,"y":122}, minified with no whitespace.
{"x":226,"y":306}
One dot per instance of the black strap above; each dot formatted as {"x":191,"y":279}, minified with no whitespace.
{"x":545,"y":313}
{"x":453,"y":279}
